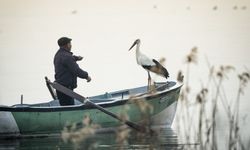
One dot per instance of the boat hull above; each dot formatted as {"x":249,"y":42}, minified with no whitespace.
{"x":52,"y":120}
{"x":8,"y":124}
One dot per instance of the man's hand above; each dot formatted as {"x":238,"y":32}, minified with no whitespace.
{"x":88,"y":79}
{"x":78,"y":58}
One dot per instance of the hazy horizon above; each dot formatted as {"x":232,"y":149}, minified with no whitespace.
{"x":102,"y":32}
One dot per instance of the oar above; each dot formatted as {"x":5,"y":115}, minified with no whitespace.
{"x":50,"y":89}
{"x":74,"y":95}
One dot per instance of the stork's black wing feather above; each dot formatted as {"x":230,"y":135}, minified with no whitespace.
{"x":146,"y":67}
{"x":164,"y":70}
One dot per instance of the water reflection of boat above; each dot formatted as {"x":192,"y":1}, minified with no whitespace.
{"x":165,"y":139}
{"x":50,"y":118}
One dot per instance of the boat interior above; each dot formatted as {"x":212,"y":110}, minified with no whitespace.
{"x":109,"y":97}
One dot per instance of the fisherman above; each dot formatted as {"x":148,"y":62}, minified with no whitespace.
{"x":67,"y":70}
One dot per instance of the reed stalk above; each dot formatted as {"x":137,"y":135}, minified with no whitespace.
{"x":207,"y":124}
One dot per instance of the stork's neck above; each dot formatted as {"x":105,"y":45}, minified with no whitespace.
{"x":138,"y":53}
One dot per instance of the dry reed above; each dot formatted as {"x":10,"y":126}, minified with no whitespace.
{"x":205,"y":132}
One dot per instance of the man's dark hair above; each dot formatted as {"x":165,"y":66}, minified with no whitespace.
{"x":63,"y":41}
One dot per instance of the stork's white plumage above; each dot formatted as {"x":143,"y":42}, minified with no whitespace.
{"x":148,"y":63}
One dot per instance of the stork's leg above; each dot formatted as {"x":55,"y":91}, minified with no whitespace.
{"x":149,"y":81}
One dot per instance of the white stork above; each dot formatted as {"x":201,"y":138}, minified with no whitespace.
{"x":148,"y":63}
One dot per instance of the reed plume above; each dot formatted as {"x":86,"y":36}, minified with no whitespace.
{"x":77,"y":135}
{"x":212,"y":92}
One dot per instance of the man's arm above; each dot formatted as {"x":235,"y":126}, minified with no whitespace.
{"x":75,"y":69}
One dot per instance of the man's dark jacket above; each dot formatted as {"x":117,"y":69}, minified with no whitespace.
{"x":66,"y":69}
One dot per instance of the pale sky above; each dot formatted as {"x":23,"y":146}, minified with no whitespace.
{"x":102,"y":32}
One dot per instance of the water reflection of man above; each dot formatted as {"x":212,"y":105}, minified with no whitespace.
{"x":67,"y":70}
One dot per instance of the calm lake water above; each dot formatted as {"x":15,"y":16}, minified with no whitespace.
{"x":166,"y":138}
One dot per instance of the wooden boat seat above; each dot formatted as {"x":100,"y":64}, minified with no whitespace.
{"x":106,"y":97}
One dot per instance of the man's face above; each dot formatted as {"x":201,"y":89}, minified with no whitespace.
{"x":69,"y":46}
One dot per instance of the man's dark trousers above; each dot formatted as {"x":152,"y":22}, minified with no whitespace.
{"x":64,"y":99}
